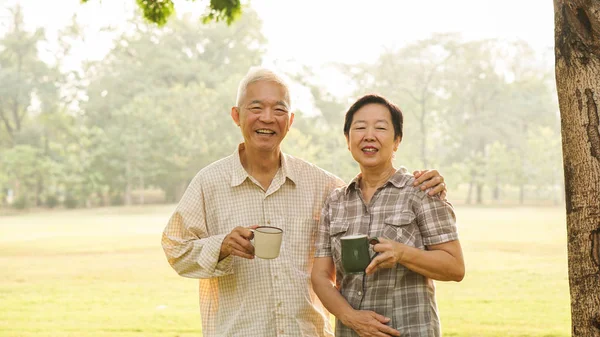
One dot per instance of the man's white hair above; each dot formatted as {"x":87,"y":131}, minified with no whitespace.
{"x":258,"y":74}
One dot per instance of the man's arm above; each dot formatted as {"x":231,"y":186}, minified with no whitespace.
{"x":186,"y":242}
{"x":433,"y":180}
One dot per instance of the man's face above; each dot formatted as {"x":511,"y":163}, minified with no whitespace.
{"x":263,"y":116}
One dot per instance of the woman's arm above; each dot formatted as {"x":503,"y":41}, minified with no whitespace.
{"x":365,"y":323}
{"x":442,"y":261}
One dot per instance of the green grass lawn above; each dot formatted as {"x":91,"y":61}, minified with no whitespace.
{"x":102,"y":272}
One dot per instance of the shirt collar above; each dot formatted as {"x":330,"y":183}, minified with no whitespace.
{"x":240,"y":175}
{"x":398,"y":179}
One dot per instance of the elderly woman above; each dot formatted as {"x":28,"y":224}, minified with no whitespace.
{"x":418,"y":240}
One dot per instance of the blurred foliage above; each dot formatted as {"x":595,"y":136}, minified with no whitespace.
{"x":159,"y":11}
{"x":156,"y":110}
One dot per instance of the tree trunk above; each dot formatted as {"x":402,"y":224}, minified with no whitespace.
{"x":128,"y":182}
{"x":521,"y":194}
{"x":577,"y":49}
{"x":479,"y":193}
{"x":470,"y":193}
{"x":496,"y":193}
{"x":180,"y":190}
{"x":424,"y":135}
{"x":142,"y":189}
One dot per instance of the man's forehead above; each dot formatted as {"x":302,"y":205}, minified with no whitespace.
{"x":266,"y":92}
{"x":274,"y":102}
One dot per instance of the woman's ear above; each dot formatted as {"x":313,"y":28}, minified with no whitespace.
{"x":397,"y":143}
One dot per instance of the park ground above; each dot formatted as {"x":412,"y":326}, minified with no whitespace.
{"x":102,"y":273}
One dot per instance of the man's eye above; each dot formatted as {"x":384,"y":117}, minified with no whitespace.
{"x":380,"y":128}
{"x":359,"y":128}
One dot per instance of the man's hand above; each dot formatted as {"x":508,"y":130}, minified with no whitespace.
{"x":369,"y":323}
{"x":237,"y":243}
{"x":431,"y":179}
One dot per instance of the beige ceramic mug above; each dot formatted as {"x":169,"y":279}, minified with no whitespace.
{"x":267,"y":241}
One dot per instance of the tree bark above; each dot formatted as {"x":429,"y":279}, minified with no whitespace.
{"x":577,"y":50}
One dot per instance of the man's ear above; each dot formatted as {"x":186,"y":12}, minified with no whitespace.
{"x":291,"y":120}
{"x":235,"y":115}
{"x":347,"y":142}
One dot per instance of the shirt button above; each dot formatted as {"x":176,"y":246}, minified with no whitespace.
{"x":281,"y":331}
{"x":360,"y":293}
{"x":279,"y":304}
{"x":268,"y":222}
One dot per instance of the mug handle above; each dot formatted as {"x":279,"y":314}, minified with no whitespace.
{"x":252,"y":237}
{"x":373,"y":241}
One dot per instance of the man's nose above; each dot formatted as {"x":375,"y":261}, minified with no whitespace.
{"x":267,"y":115}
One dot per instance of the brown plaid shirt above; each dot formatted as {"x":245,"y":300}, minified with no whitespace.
{"x":400,"y":212}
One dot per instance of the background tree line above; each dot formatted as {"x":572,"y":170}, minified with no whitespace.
{"x":155,"y":110}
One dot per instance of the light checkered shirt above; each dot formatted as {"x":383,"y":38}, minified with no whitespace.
{"x":241,"y":297}
{"x":400,"y":212}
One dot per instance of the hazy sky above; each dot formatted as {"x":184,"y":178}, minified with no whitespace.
{"x":318,"y":32}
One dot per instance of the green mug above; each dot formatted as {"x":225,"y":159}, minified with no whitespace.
{"x":355,"y":253}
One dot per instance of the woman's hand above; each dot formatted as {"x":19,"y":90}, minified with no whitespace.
{"x":442,"y":262}
{"x":389,"y":254}
{"x":369,"y":323}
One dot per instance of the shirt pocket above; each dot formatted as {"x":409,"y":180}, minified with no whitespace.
{"x":337,"y":229}
{"x":402,"y":227}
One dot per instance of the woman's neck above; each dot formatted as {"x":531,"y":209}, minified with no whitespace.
{"x":374,"y":178}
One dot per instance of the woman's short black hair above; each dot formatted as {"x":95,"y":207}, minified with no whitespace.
{"x":397,"y":118}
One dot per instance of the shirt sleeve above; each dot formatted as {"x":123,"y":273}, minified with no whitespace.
{"x":186,"y":241}
{"x":323,"y":242}
{"x":436,"y":220}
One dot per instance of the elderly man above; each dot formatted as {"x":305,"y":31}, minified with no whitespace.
{"x":208,"y":236}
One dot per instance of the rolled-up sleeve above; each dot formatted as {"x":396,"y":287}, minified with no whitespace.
{"x":436,"y":220}
{"x":186,"y":241}
{"x":323,"y":242}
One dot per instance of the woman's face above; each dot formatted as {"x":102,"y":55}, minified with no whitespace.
{"x":371,"y":137}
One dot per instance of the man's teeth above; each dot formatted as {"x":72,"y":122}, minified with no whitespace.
{"x":264,"y":131}
{"x":370,"y":149}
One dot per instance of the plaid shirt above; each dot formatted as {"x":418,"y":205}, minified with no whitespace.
{"x":400,"y":212}
{"x":241,"y":297}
